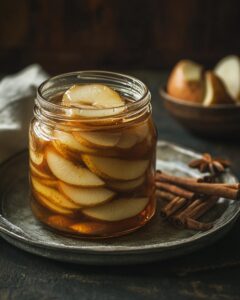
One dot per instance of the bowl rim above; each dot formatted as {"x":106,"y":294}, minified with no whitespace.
{"x":163,"y":93}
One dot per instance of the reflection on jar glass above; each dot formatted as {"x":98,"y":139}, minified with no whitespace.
{"x":92,"y":154}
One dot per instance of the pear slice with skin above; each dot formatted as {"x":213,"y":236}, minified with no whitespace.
{"x":86,"y":196}
{"x":68,"y":146}
{"x":49,"y":182}
{"x":53,"y":195}
{"x":71,"y":173}
{"x":96,"y":95}
{"x":53,"y":207}
{"x":36,"y":157}
{"x":124,"y":186}
{"x":228,"y":69}
{"x":117,"y":210}
{"x":100,"y":115}
{"x":89,"y":228}
{"x":38,"y":172}
{"x":186,"y":81}
{"x":60,"y":222}
{"x":127,"y":140}
{"x":65,"y":140}
{"x":216,"y":92}
{"x":132,"y":136}
{"x":97,"y":139}
{"x":142,"y":131}
{"x":118,"y":169}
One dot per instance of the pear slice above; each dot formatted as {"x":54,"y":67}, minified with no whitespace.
{"x":100,"y":115}
{"x":53,"y":207}
{"x":97,"y":139}
{"x":132,"y":136}
{"x":38,"y":172}
{"x":118,"y":169}
{"x":127,"y":140}
{"x":71,"y":173}
{"x":86,"y":196}
{"x":124,"y":186}
{"x":117,"y":210}
{"x":52,"y":195}
{"x":65,"y":140}
{"x":60,"y":222}
{"x":36,"y":157}
{"x":49,"y":182}
{"x":142,"y":131}
{"x":89,"y":228}
{"x":96,"y":95}
{"x":66,"y":144}
{"x":215,"y":91}
{"x":228,"y":69}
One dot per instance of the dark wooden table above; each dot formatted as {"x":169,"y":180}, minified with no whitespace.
{"x":212,"y":273}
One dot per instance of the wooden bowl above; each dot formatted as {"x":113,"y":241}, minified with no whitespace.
{"x":220,"y":121}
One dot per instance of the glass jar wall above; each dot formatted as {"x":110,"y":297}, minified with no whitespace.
{"x":92,"y":169}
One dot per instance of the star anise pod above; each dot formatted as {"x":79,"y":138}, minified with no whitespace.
{"x":209,"y":164}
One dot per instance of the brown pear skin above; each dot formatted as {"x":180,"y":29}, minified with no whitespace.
{"x":215,"y":91}
{"x":186,"y":81}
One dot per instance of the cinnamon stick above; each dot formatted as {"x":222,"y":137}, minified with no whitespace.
{"x":190,"y":208}
{"x":194,"y":211}
{"x":196,"y":225}
{"x":202,"y":208}
{"x":164,"y":195}
{"x":173,"y":206}
{"x":161,"y":176}
{"x":178,"y":191}
{"x":217,"y":189}
{"x":235,"y":186}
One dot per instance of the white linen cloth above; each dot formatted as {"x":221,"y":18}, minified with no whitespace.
{"x":17,"y":94}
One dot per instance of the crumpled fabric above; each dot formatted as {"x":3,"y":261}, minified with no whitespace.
{"x":17,"y":94}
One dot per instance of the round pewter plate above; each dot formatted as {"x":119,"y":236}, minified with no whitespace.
{"x":158,"y":240}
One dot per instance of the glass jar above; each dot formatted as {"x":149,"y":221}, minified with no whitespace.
{"x":92,"y":170}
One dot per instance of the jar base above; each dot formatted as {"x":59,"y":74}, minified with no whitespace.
{"x":90,"y":228}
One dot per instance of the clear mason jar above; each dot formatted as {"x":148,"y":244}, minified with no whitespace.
{"x":92,"y":170}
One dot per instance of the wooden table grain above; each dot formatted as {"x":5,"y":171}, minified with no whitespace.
{"x":211,"y":273}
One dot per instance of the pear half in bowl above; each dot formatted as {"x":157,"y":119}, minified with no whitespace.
{"x":228,"y":69}
{"x":215,"y":91}
{"x":186,"y":81}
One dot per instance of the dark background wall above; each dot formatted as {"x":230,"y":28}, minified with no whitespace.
{"x":67,"y":35}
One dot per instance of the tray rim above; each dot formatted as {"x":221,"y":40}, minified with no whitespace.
{"x":5,"y":226}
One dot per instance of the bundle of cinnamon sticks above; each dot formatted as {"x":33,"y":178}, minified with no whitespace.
{"x":189,"y":198}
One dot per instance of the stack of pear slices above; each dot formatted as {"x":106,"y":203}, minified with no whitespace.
{"x":91,"y":184}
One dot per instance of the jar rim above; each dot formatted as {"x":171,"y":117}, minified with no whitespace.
{"x":128,"y":80}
